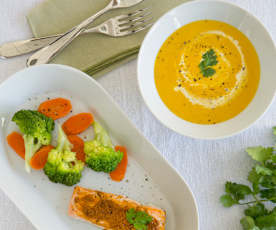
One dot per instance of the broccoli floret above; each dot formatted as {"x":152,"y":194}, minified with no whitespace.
{"x":99,"y":153}
{"x":62,"y":165}
{"x":100,"y":157}
{"x":37,"y":131}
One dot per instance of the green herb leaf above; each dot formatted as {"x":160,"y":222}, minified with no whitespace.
{"x":208,"y":72}
{"x":273,"y":158}
{"x":139,"y":226}
{"x":131,"y":215}
{"x":139,"y":219}
{"x":267,"y":221}
{"x":273,"y":211}
{"x":261,"y":170}
{"x":268,"y":181}
{"x":248,"y":223}
{"x":271,"y":165}
{"x":263,"y":179}
{"x":238,"y":191}
{"x":143,"y":218}
{"x":254,"y":178}
{"x":227,"y":200}
{"x":260,"y":153}
{"x":269,"y":194}
{"x":208,"y":59}
{"x":269,"y":228}
{"x":256,"y":210}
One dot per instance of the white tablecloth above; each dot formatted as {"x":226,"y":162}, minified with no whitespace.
{"x":205,"y":165}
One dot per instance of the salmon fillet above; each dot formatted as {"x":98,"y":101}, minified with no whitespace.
{"x":108,"y":211}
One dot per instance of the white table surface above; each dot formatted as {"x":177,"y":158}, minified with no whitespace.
{"x":205,"y":165}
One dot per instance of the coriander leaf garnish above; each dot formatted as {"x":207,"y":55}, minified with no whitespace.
{"x":208,"y":72}
{"x":269,"y":193}
{"x":227,"y":200}
{"x":248,"y":223}
{"x":267,"y":222}
{"x":254,"y":178}
{"x":263,"y":170}
{"x":259,"y":153}
{"x":256,"y":210}
{"x":262,"y":190}
{"x":139,"y":219}
{"x":208,"y":59}
{"x":273,"y":158}
{"x":268,"y":181}
{"x":237,"y":191}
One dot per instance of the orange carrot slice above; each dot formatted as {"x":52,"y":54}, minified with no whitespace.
{"x":16,"y":142}
{"x":119,"y":173}
{"x":77,"y":123}
{"x":78,"y":147}
{"x":39,"y":160}
{"x":55,"y":108}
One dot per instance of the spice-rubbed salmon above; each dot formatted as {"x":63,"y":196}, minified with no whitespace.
{"x":108,"y":211}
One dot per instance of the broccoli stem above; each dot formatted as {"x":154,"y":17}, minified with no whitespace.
{"x":30,"y":149}
{"x":63,"y":142}
{"x":101,"y":135}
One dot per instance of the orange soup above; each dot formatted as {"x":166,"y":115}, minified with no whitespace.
{"x":207,"y":72}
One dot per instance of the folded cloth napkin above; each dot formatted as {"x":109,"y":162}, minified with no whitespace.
{"x":94,"y":54}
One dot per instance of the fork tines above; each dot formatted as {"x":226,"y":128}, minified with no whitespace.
{"x":136,"y":21}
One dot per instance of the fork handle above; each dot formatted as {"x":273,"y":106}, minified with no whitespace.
{"x":21,"y":47}
{"x":17,"y":48}
{"x":47,"y":53}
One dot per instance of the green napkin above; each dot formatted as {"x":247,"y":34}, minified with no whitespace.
{"x":94,"y":54}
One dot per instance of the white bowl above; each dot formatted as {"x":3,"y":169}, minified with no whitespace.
{"x":213,"y":10}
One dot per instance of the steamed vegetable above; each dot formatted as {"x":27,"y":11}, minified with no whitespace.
{"x":16,"y":142}
{"x":77,"y":123}
{"x":37,"y":131}
{"x":55,"y":108}
{"x":39,"y":159}
{"x":262,"y":191}
{"x":119,"y":173}
{"x":62,"y":165}
{"x":100,"y":154}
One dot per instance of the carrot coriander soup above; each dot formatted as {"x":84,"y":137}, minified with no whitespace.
{"x":207,"y":72}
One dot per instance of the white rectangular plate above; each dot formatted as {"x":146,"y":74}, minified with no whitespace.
{"x":149,"y":179}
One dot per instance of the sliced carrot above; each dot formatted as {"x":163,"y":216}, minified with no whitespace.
{"x":78,"y":147}
{"x":77,"y":123}
{"x":119,"y":173}
{"x":16,"y":142}
{"x":39,"y":160}
{"x":55,"y":108}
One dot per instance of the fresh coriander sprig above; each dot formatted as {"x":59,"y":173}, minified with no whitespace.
{"x":208,"y":59}
{"x":263,"y":189}
{"x":139,"y":219}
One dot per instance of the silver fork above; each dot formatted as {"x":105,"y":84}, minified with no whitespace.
{"x":45,"y":54}
{"x":122,"y":25}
